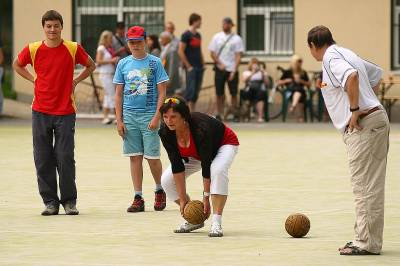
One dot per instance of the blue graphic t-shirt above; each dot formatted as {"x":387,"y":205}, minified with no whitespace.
{"x":140,"y":78}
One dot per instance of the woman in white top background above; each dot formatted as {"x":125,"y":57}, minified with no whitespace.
{"x":256,"y":80}
{"x":106,"y":61}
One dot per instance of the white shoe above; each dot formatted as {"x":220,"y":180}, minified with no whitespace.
{"x":188,"y":227}
{"x":106,"y":121}
{"x":216,"y":230}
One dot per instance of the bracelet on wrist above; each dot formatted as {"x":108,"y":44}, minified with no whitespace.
{"x":354,"y":109}
{"x":206,"y":194}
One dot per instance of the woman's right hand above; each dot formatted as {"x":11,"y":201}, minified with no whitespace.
{"x":121,"y":128}
{"x":182,"y":204}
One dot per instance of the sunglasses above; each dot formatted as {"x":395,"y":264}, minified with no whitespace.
{"x":172,"y":100}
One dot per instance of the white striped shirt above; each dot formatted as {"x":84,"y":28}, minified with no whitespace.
{"x":337,"y":65}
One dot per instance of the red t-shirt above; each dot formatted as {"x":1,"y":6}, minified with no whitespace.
{"x":54,"y":68}
{"x":229,"y":138}
{"x":190,"y":151}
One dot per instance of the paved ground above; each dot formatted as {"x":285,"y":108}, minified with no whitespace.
{"x":280,"y":169}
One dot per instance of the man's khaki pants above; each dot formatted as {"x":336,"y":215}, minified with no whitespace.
{"x":367,"y":151}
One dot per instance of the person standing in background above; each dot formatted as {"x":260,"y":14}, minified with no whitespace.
{"x":192,"y":59}
{"x":106,"y":60}
{"x":170,"y":61}
{"x":170,"y":27}
{"x":153,"y":45}
{"x":118,"y":42}
{"x":226,"y":49}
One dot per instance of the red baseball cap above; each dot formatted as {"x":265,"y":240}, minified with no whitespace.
{"x":135,"y":33}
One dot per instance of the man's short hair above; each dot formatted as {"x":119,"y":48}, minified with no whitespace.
{"x":52,"y":15}
{"x":320,"y":36}
{"x":166,"y":34}
{"x":193,"y":18}
{"x":120,"y":25}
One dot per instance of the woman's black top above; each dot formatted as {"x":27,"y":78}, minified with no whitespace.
{"x":288,"y":74}
{"x":207,"y":133}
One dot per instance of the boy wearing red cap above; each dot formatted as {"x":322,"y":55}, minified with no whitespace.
{"x":140,"y":91}
{"x":53,"y":110}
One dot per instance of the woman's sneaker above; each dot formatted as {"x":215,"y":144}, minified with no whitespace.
{"x":216,"y":230}
{"x":187,"y":227}
{"x":137,"y":205}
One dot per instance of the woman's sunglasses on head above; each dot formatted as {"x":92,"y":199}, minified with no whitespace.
{"x":172,"y":100}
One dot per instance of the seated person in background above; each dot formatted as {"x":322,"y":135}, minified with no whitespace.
{"x":318,"y":87}
{"x":296,"y":78}
{"x":256,"y":80}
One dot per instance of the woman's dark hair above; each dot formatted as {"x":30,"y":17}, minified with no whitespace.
{"x":52,"y":15}
{"x":320,"y":36}
{"x":193,"y":18}
{"x":156,"y":43}
{"x":178,"y":105}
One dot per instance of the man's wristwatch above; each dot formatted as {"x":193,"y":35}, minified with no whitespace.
{"x":206,"y":194}
{"x":354,"y":109}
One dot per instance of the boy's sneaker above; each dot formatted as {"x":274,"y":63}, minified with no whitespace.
{"x":187,"y":227}
{"x":216,"y":230}
{"x":51,"y":209}
{"x":70,"y":208}
{"x":137,"y":205}
{"x":160,"y":200}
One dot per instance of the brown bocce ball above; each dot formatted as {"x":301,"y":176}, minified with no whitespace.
{"x":194,"y":212}
{"x":297,"y":225}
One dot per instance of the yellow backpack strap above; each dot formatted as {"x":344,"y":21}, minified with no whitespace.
{"x":33,"y":47}
{"x":72,"y":47}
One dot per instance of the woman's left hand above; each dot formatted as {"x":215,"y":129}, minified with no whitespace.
{"x":154,"y":123}
{"x":207,"y":208}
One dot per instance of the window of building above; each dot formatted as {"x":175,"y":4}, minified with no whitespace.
{"x":267,"y":27}
{"x":396,"y":34}
{"x":91,"y":17}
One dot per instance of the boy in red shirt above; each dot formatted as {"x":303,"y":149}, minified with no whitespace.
{"x":53,"y":110}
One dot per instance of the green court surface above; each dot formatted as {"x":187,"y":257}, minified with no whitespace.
{"x":280,"y":169}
